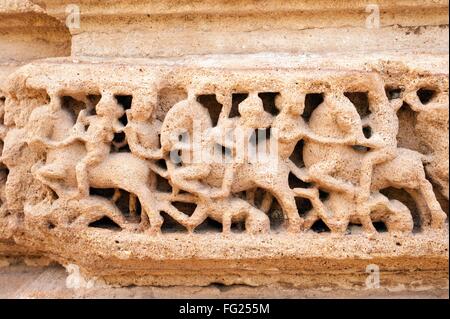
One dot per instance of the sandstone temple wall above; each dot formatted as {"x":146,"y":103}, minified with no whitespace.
{"x":189,"y":143}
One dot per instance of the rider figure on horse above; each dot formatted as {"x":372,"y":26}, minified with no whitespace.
{"x":143,"y":128}
{"x":97,"y":137}
{"x":97,"y":133}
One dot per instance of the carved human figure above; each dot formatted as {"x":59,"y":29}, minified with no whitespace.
{"x":142,"y":129}
{"x":289,"y":128}
{"x":238,"y":136}
{"x":220,"y":205}
{"x":186,"y":162}
{"x":97,"y":138}
{"x":334,"y":168}
{"x":232,"y":132}
{"x":142,"y":136}
{"x":347,"y":124}
{"x":432,"y":127}
{"x":50,"y":131}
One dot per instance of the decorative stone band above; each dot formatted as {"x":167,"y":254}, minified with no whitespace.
{"x":226,"y":170}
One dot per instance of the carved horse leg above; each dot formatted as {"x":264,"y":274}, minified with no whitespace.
{"x":319,"y":211}
{"x":153,"y":204}
{"x":435,"y":170}
{"x":199,"y":216}
{"x":250,"y":196}
{"x":363,"y":215}
{"x":266,"y":202}
{"x":150,"y":207}
{"x":437,"y":214}
{"x":286,"y":199}
{"x":131,"y":201}
{"x":227,"y":217}
{"x":95,"y":209}
{"x":421,"y":205}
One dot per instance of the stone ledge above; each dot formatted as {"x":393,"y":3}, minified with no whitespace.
{"x":305,"y":260}
{"x":50,"y":282}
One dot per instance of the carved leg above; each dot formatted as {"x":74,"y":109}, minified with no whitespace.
{"x":310,"y":218}
{"x":132,"y":205}
{"x":366,"y":221}
{"x":266,"y":202}
{"x":94,"y":157}
{"x":188,"y":179}
{"x":226,"y":222}
{"x":437,"y":214}
{"x":400,"y":220}
{"x":422,"y":206}
{"x":150,"y":207}
{"x":82,"y":179}
{"x":300,"y":172}
{"x":365,"y":182}
{"x":116,"y":195}
{"x":55,"y":185}
{"x":250,"y":196}
{"x":156,"y":222}
{"x":53,"y":170}
{"x":158,"y":170}
{"x":145,"y":222}
{"x":285,"y":197}
{"x":227,"y":181}
{"x":320,"y":173}
{"x":319,"y":210}
{"x":94,"y":213}
{"x":199,"y":216}
{"x":312,"y":215}
{"x":176,"y":214}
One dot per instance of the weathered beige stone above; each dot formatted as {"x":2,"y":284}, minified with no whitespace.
{"x":101,"y":162}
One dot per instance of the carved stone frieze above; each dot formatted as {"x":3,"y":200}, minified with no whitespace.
{"x":199,"y":164}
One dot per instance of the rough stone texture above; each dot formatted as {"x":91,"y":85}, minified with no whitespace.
{"x":50,"y":282}
{"x":358,"y":120}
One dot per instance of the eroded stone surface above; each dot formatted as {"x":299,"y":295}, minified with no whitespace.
{"x":70,"y":170}
{"x":251,"y":168}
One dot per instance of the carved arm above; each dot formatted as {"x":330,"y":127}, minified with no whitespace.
{"x":54,"y":144}
{"x":138,"y":149}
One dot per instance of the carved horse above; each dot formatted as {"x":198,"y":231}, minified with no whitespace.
{"x":342,"y":163}
{"x":271,"y":174}
{"x":119,"y":170}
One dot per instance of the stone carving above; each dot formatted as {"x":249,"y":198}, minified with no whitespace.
{"x":206,"y":157}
